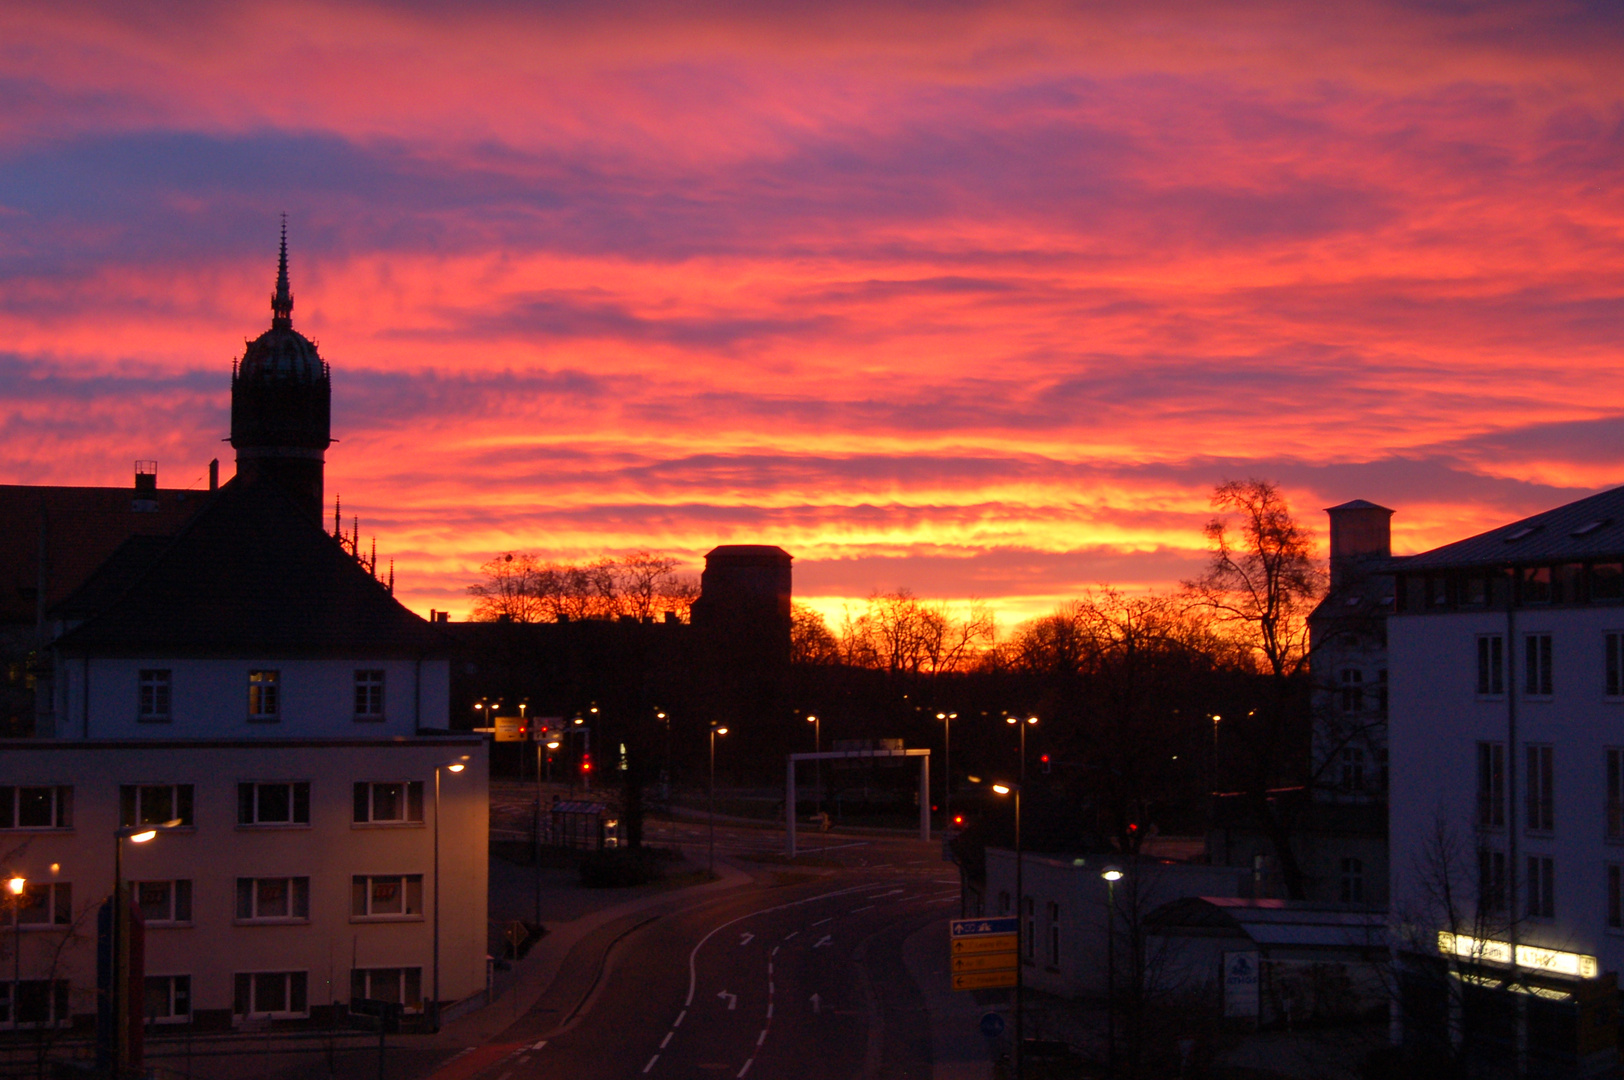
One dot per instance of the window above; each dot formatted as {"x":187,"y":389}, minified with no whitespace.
{"x":1474,"y":591}
{"x":1353,"y":881}
{"x":44,"y":904}
{"x":1029,"y":935}
{"x":154,"y":804}
{"x":1491,"y":881}
{"x":1541,"y":887}
{"x":402,"y":985}
{"x":1607,"y":581}
{"x":396,"y":896}
{"x":155,"y":695}
{"x":277,"y":899}
{"x":1536,"y":585}
{"x":164,"y":902}
{"x":38,"y":1003}
{"x":1353,"y":768}
{"x":389,"y":802}
{"x":1615,"y":794}
{"x":1491,"y":665}
{"x":1615,"y":901}
{"x":264,"y":695}
{"x":1537,"y":680}
{"x":369,"y":695}
{"x":1054,"y":934}
{"x":36,"y":808}
{"x":1541,"y":815}
{"x":281,"y":803}
{"x":271,"y":993}
{"x":1491,"y":785}
{"x":1615,"y":665}
{"x":1353,"y":693}
{"x":168,"y":999}
{"x":1381,"y":690}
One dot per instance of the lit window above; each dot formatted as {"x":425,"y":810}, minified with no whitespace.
{"x":155,"y":696}
{"x":271,"y":994}
{"x":369,"y":695}
{"x":273,"y":899}
{"x":155,"y":804}
{"x":395,"y":896}
{"x":398,"y":802}
{"x":281,"y":803}
{"x":264,"y":695}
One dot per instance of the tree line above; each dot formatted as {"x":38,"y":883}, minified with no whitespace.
{"x":517,"y":587}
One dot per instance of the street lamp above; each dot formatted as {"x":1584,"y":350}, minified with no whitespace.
{"x":451,"y":766}
{"x":1020,"y":899}
{"x":817,"y":763}
{"x":1112,"y":875}
{"x":711,"y":859}
{"x":16,"y":885}
{"x":1215,"y":719}
{"x":135,"y":834}
{"x":947,"y":768}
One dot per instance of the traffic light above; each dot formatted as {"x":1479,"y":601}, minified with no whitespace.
{"x":1045,"y":760}
{"x":586,"y":763}
{"x":958,"y":821}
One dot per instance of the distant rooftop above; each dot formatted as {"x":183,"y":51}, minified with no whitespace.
{"x":1587,"y":530}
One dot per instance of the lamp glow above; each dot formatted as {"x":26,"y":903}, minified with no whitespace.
{"x":17,"y":885}
{"x":1001,"y":789}
{"x":1111,"y":873}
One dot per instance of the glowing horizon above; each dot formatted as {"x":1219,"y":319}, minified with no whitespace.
{"x":978,"y":300}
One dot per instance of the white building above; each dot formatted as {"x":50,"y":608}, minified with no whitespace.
{"x":252,"y":679}
{"x":1506,"y":737}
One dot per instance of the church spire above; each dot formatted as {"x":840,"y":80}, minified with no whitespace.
{"x":282,"y":301}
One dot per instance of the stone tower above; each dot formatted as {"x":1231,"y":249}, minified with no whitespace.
{"x":281,"y":404}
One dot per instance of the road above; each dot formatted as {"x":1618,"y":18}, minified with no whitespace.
{"x":798,"y":975}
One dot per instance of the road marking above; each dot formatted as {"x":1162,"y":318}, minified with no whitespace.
{"x":858,"y":911}
{"x":651,"y":1062}
{"x":539,"y":1045}
{"x":732,"y":1000}
{"x":824,"y":940}
{"x":762,"y":1037}
{"x":745,"y":939}
{"x":769,"y":1010}
{"x":820,"y":922}
{"x":678,"y":1021}
{"x":791,"y":934}
{"x":774,"y":952}
{"x":893,"y":892}
{"x":525,"y":1060}
{"x":746,"y":1068}
{"x":817,"y":1004}
{"x":667,"y":1040}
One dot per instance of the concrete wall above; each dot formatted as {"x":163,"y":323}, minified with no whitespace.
{"x":216,"y":851}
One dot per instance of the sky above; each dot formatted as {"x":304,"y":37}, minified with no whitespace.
{"x":980,"y":300}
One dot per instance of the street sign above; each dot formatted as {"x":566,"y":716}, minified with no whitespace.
{"x":509,"y":729}
{"x":541,"y":727}
{"x":992,"y":1025}
{"x":985,"y":953}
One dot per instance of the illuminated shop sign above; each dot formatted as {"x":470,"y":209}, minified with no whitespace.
{"x":1526,"y":956}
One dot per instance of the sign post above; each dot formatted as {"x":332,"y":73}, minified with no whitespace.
{"x":985,"y":953}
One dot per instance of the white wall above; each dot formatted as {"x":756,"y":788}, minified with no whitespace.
{"x":217,"y":851}
{"x":210,"y":698}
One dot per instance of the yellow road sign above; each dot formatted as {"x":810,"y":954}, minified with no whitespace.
{"x":989,"y":943}
{"x":983,"y":980}
{"x":985,"y":962}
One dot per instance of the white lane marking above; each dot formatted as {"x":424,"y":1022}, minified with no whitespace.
{"x":693,"y":954}
{"x":539,"y":1045}
{"x":678,"y":1021}
{"x":820,"y":922}
{"x":525,"y":1060}
{"x":791,"y":934}
{"x":893,"y":892}
{"x":769,"y":989}
{"x":769,"y":1010}
{"x":824,"y":940}
{"x":817,"y":1004}
{"x":731,"y":999}
{"x":762,"y":1037}
{"x":667,"y":1040}
{"x":859,"y":911}
{"x":745,"y":939}
{"x":746,"y":1068}
{"x":651,"y":1062}
{"x":774,"y":952}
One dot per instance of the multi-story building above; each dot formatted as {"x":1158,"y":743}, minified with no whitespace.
{"x":250,"y":680}
{"x":1506,"y":739}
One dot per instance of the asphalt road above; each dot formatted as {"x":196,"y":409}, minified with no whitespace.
{"x":799,"y":975}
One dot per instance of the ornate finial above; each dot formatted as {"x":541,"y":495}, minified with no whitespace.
{"x":282,"y":300}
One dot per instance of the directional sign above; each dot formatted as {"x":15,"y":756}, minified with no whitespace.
{"x":985,"y":953}
{"x":983,"y":980}
{"x":992,"y":1025}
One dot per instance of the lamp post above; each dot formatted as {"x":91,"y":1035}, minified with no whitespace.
{"x":711,"y":858}
{"x":1215,"y":719}
{"x":16,"y":885}
{"x":817,"y":763}
{"x":135,"y":834}
{"x":947,"y":767}
{"x":451,"y":766}
{"x":1021,"y":936}
{"x":1112,"y":875}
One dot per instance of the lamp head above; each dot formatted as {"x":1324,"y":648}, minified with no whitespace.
{"x":17,"y":885}
{"x":1002,"y":789}
{"x":1111,"y":874}
{"x":553,"y":745}
{"x":1031,"y":719}
{"x":941,"y":716}
{"x":142,"y":837}
{"x":721,"y":731}
{"x":1010,"y":720}
{"x":811,"y":719}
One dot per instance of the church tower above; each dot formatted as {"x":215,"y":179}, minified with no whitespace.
{"x":281,"y":404}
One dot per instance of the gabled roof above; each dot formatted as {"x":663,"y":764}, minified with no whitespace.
{"x":251,"y":576}
{"x":109,"y":580}
{"x":1592,"y":528}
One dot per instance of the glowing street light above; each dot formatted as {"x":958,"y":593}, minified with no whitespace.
{"x":1112,"y":875}
{"x":817,"y":763}
{"x":456,"y":766}
{"x":715,"y":730}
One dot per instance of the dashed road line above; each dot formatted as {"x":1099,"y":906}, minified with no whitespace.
{"x":746,"y":1068}
{"x":678,"y":1021}
{"x":762,"y":1037}
{"x":860,"y":910}
{"x":651,"y":1062}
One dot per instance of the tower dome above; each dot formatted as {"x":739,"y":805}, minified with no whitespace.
{"x":281,"y":403}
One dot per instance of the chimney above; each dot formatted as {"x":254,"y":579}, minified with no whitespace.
{"x":1360,"y":531}
{"x":146,"y":488}
{"x":214,"y":475}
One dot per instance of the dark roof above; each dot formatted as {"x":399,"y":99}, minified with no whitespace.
{"x":83,"y":526}
{"x":1592,"y":528}
{"x":1357,"y":504}
{"x":252,"y":575}
{"x":111,"y":578}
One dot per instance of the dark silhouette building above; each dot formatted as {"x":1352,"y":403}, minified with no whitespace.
{"x":281,"y":404}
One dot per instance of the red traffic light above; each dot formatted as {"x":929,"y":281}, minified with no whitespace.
{"x":586,"y":762}
{"x":958,"y":819}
